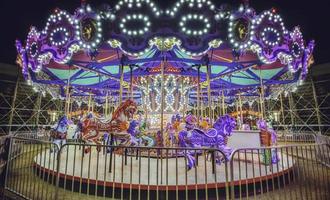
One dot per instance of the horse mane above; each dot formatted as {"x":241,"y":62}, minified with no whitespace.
{"x":120,"y":108}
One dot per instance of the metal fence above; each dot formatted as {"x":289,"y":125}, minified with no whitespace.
{"x":43,"y":171}
{"x":297,"y":137}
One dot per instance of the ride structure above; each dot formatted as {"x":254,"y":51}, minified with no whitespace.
{"x":167,"y":77}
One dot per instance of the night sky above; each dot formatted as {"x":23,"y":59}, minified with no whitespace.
{"x":18,"y":15}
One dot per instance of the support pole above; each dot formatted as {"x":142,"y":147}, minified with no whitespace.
{"x":13,"y":104}
{"x":208,"y":68}
{"x":283,"y":119}
{"x":121,"y":71}
{"x":223,"y":103}
{"x":260,"y":105}
{"x":92,"y":104}
{"x":317,"y":108}
{"x":89,"y":102}
{"x":162,"y":97}
{"x":131,"y":82}
{"x":38,"y":106}
{"x":237,"y":111}
{"x":213,"y":113}
{"x":147,"y":97}
{"x":219,"y":105}
{"x":240,"y":108}
{"x":198,"y":93}
{"x":183,"y":97}
{"x":291,"y":110}
{"x":67,"y":98}
{"x":262,"y":96}
{"x":106,"y":105}
{"x":202,"y":106}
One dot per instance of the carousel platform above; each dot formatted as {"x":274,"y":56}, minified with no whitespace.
{"x":152,"y":176}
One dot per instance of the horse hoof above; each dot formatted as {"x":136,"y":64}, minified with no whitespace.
{"x":87,"y":151}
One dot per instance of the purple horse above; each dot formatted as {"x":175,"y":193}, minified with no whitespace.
{"x":262,"y":125}
{"x":215,"y":137}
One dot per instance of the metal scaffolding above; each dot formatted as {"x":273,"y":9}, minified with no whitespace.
{"x":22,"y":108}
{"x":305,"y":110}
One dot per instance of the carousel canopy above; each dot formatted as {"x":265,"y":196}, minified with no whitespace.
{"x":240,"y":49}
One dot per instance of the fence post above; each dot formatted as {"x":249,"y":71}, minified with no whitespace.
{"x":58,"y":164}
{"x":232,"y":185}
{"x":8,"y":160}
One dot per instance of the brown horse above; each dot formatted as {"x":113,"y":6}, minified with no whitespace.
{"x":93,"y":129}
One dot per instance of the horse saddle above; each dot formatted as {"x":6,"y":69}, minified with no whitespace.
{"x":211,"y":133}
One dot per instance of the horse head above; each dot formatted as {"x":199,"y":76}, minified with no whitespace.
{"x":225,"y":125}
{"x":262,"y":124}
{"x":128,"y":108}
{"x":62,"y":124}
{"x":191,"y":122}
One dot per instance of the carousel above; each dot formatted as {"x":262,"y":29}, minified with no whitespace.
{"x":136,"y":75}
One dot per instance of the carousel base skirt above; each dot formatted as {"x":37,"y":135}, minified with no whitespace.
{"x":154,"y":177}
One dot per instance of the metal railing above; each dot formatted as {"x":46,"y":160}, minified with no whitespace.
{"x":296,"y":137}
{"x":44,"y":171}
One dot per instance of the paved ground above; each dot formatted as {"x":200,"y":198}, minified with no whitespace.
{"x":313,"y":182}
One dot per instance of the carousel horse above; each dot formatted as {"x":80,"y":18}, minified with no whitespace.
{"x":59,"y":131}
{"x":93,"y":129}
{"x":138,"y":138}
{"x":74,"y":131}
{"x":172,"y":129}
{"x":169,"y":135}
{"x":268,"y":138}
{"x":134,"y":132}
{"x":215,"y":137}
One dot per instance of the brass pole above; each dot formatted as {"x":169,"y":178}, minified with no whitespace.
{"x":106,"y":105}
{"x":241,"y":108}
{"x":258,"y":107}
{"x":67,"y":98}
{"x":223,"y":103}
{"x":131,"y":82}
{"x":213,"y":113}
{"x":89,"y":102}
{"x":162,"y":97}
{"x":236,"y":106}
{"x":219,"y":105}
{"x":121,"y":71}
{"x":208,"y":68}
{"x":92,"y":104}
{"x":198,"y":93}
{"x":262,"y":96}
{"x":71,"y":104}
{"x":147,"y":97}
{"x":202,"y":106}
{"x":183,"y":97}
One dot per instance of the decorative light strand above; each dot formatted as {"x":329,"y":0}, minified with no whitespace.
{"x":194,"y":17}
{"x":135,"y":17}
{"x":191,"y":4}
{"x":88,"y":13}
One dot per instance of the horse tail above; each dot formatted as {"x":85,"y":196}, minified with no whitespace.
{"x":191,"y":162}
